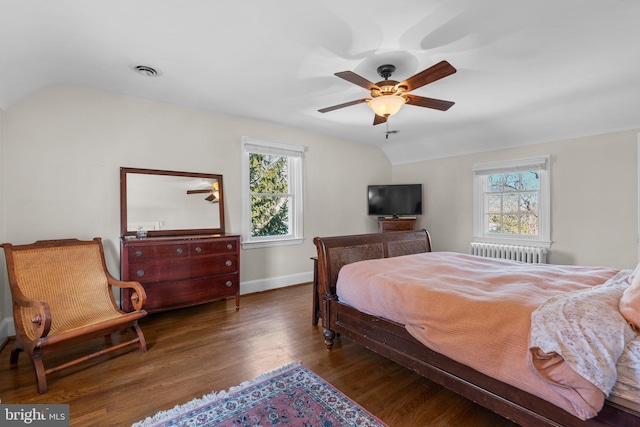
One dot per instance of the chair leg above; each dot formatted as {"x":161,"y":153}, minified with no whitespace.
{"x":41,"y":377}
{"x":142,"y":345}
{"x":13,"y":357}
{"x":38,"y":366}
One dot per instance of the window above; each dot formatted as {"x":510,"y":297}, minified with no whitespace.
{"x":512,"y":202}
{"x":272,"y":193}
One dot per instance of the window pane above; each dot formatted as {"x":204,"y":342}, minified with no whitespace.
{"x":494,"y":203}
{"x":511,"y":181}
{"x":529,"y":202}
{"x":530,"y":181}
{"x":529,"y":225}
{"x":510,"y":224}
{"x":510,"y":202}
{"x":494,"y":223}
{"x":268,"y":174}
{"x":494,"y":182}
{"x":269,"y":216}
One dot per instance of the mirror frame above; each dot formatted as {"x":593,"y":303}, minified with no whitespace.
{"x":151,"y":233}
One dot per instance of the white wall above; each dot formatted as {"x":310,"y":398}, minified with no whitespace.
{"x":594,"y":198}
{"x":64,"y":146}
{"x":5,"y":296}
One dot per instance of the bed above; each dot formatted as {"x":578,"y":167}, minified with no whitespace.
{"x":355,"y":314}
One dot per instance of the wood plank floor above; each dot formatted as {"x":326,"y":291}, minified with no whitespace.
{"x":212,"y":347}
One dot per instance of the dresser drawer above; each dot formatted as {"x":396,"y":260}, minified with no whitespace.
{"x":187,"y":268}
{"x":397,"y":224}
{"x":164,"y":295}
{"x":143,"y":253}
{"x":215,"y":247}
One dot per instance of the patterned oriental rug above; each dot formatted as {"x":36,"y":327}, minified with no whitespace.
{"x":292,"y":396}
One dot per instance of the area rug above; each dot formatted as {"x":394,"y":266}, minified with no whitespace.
{"x":291,"y":396}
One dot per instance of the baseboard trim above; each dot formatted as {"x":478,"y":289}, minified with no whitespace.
{"x":260,"y":285}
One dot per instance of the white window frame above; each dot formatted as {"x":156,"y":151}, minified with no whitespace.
{"x":296,"y":156}
{"x":480,"y":174}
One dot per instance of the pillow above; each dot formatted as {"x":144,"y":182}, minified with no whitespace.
{"x":634,"y":273}
{"x":629,"y":304}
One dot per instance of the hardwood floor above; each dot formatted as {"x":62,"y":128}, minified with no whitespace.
{"x":212,"y":347}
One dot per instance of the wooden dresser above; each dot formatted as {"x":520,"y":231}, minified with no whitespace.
{"x":183,"y":270}
{"x":395,"y":224}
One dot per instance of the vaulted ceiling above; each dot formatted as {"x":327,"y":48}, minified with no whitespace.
{"x":527,"y":71}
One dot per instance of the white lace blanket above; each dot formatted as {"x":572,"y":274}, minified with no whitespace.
{"x":586,"y":329}
{"x":628,"y":385}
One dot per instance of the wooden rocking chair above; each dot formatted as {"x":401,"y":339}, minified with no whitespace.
{"x":62,"y":295}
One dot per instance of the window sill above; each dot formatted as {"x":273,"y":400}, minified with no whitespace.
{"x":257,"y":244}
{"x":513,"y":241}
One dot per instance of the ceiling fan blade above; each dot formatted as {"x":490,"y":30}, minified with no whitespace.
{"x":346,"y":104}
{"x":379,"y":119}
{"x":436,"y":72}
{"x":421,"y":101}
{"x":356,"y":79}
{"x":198,"y":191}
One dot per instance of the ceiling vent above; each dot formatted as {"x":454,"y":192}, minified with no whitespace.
{"x":146,"y":70}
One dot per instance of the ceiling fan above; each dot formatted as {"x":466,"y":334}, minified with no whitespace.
{"x":213,"y":192}
{"x":387,"y":96}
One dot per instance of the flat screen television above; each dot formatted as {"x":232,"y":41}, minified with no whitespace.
{"x":395,"y":200}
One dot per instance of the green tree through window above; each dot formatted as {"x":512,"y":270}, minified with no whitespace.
{"x":270,"y":194}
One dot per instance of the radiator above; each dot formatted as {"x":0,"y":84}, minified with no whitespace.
{"x":528,"y":254}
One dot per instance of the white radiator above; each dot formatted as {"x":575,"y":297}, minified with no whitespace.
{"x":528,"y":254}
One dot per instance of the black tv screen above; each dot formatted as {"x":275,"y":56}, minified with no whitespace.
{"x":395,"y":200}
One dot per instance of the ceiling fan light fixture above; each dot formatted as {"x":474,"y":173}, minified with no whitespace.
{"x":387,"y":105}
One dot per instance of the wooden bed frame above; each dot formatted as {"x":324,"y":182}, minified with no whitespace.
{"x":390,"y":339}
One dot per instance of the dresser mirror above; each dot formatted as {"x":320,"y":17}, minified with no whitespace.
{"x":166,"y":203}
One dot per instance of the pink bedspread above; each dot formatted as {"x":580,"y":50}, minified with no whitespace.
{"x":474,"y":310}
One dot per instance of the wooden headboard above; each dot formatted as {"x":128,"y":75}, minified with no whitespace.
{"x":335,"y":252}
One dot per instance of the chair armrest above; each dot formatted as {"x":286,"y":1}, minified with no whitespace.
{"x":40,"y":323}
{"x":138,"y":297}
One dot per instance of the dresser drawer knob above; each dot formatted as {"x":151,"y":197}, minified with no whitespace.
{"x":229,"y":284}
{"x":140,"y":273}
{"x":229,"y":246}
{"x":179,"y":251}
{"x":228,"y":263}
{"x":138,"y":253}
{"x":198,"y":249}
